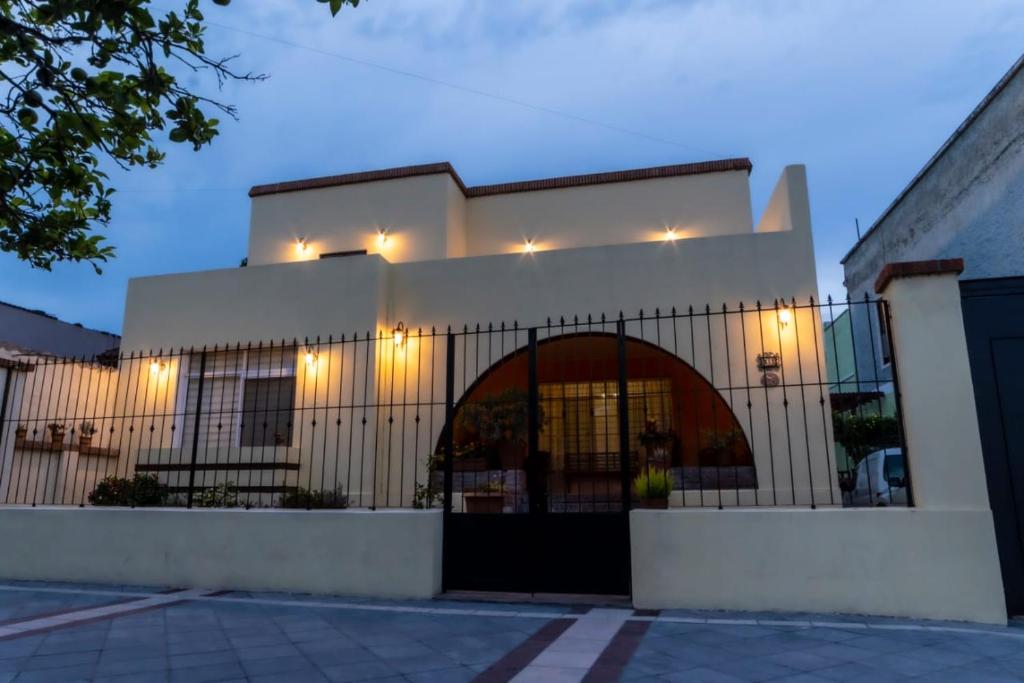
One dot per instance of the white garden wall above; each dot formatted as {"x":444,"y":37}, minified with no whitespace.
{"x":392,"y":554}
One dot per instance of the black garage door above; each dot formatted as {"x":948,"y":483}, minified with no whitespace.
{"x":994,"y":321}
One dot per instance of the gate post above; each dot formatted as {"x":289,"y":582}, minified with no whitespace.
{"x":623,"y":407}
{"x":933,"y":375}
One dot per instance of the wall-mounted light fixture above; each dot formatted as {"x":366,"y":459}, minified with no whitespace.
{"x":785,"y":316}
{"x":301,"y":246}
{"x":671,"y":235}
{"x":156,"y":367}
{"x":382,"y":239}
{"x":529,"y":247}
{"x":311,"y":357}
{"x":398,"y":334}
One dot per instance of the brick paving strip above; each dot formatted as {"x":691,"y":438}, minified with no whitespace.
{"x":519,"y":658}
{"x":85,"y":615}
{"x":571,"y":656}
{"x":612,"y":662}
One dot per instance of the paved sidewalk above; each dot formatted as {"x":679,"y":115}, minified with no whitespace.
{"x":64,"y":632}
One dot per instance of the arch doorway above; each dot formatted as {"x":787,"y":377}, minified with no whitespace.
{"x":546,"y":445}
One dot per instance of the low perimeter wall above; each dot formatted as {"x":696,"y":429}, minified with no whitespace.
{"x":927,"y":564}
{"x":389,"y":553}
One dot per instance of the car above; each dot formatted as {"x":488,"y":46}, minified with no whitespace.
{"x":881,"y":479}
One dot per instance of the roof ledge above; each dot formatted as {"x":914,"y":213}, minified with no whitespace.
{"x":717,"y":166}
{"x":902,"y":269}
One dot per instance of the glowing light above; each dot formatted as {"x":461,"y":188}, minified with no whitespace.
{"x":301,"y":246}
{"x":529,"y":247}
{"x":311,"y":358}
{"x":671,"y":235}
{"x":785,"y":316}
{"x":382,"y":239}
{"x":399,"y":335}
{"x":156,"y":367}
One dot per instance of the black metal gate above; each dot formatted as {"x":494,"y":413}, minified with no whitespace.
{"x":994,"y":323}
{"x":537,"y":463}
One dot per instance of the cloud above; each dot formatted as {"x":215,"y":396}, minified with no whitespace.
{"x":862,"y":92}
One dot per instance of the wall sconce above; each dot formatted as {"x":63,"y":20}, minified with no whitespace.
{"x":671,"y":235}
{"x":301,"y":246}
{"x":785,"y":316}
{"x":529,"y":247}
{"x":398,"y":334}
{"x":157,"y":367}
{"x":311,"y":358}
{"x":382,"y":239}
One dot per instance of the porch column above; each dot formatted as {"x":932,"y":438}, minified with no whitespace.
{"x":943,"y":444}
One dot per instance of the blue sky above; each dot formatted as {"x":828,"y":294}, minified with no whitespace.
{"x":861,"y":91}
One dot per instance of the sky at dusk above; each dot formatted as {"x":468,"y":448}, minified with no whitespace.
{"x":863,"y":92}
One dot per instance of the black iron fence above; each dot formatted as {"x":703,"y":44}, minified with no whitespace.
{"x":782,"y":404}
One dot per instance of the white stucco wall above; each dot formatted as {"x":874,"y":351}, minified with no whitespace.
{"x":393,"y":554}
{"x":414,"y":211}
{"x":429,"y":217}
{"x":617,"y":213}
{"x":257,"y":303}
{"x":927,"y":564}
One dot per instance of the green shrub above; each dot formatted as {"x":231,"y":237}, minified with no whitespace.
{"x":425,"y":496}
{"x":653,"y":483}
{"x":860,"y":435}
{"x":140,"y":491}
{"x":220,"y":496}
{"x":304,"y":499}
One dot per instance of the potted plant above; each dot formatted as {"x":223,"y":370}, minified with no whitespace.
{"x":719,"y":447}
{"x":20,"y":434}
{"x":657,"y":443}
{"x":86,"y":431}
{"x":497,"y":423}
{"x":489,"y":498}
{"x":56,"y":434}
{"x":651,"y":489}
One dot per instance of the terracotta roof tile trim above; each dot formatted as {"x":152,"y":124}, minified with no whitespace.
{"x":900,"y":269}
{"x":718,"y":166}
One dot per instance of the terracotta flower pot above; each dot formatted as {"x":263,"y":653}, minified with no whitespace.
{"x":650,"y":504}
{"x":85,"y":441}
{"x":490,"y":503}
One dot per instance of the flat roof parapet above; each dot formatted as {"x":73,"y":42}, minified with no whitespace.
{"x":717,"y":166}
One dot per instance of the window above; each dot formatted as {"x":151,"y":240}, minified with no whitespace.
{"x":248,"y":398}
{"x":581,"y":419}
{"x":883,"y":332}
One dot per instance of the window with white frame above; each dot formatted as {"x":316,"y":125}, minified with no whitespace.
{"x":248,"y":398}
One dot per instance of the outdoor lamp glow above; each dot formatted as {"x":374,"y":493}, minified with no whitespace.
{"x":382,"y":239}
{"x":785,"y":316}
{"x":399,"y":335}
{"x":301,"y":246}
{"x":671,"y":235}
{"x":156,"y":366}
{"x":529,"y":247}
{"x":311,"y":358}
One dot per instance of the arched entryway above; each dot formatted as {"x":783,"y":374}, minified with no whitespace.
{"x":676,"y":421}
{"x":546,"y":445}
